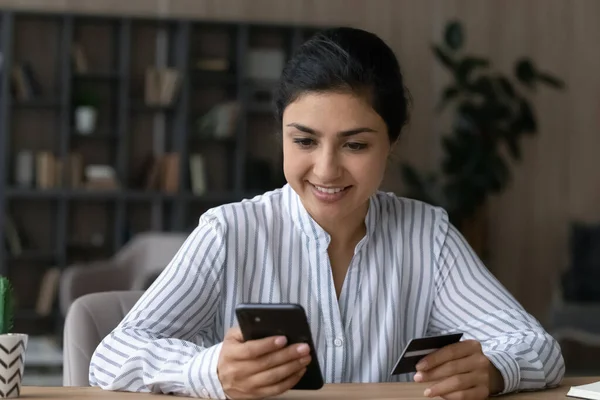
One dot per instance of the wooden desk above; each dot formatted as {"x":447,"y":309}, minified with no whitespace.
{"x":374,"y":391}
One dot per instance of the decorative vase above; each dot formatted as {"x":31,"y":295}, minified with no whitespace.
{"x":85,"y":119}
{"x":12,"y":363}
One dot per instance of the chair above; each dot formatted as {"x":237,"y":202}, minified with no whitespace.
{"x":91,"y":318}
{"x":133,"y":267}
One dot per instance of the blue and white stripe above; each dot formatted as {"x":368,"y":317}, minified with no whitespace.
{"x":412,"y":275}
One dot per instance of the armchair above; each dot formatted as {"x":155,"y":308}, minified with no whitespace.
{"x":132,"y":268}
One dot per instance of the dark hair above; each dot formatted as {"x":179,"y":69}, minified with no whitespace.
{"x":347,"y":59}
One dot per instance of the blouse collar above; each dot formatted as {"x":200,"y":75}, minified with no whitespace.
{"x":307,"y":225}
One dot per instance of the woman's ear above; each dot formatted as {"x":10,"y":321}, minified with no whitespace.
{"x":393,"y":147}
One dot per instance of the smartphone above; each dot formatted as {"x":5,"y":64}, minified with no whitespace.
{"x":258,"y":320}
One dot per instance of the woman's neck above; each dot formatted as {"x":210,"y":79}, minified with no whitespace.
{"x":349,"y":232}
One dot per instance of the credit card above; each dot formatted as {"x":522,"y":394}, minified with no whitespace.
{"x":418,"y":348}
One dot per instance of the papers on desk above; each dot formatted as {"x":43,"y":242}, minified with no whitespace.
{"x":590,"y":391}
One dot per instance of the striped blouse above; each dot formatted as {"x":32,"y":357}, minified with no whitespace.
{"x":412,"y":275}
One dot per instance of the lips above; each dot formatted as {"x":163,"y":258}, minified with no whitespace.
{"x":329,"y":190}
{"x":329,"y":194}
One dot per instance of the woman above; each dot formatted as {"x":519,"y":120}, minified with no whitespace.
{"x":372,"y":270}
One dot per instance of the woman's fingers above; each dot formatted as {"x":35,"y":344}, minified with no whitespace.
{"x":448,"y":353}
{"x":459,"y":383}
{"x":279,"y":373}
{"x":455,"y":367}
{"x":281,"y":387}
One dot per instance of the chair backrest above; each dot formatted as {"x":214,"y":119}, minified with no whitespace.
{"x":89,"y":320}
{"x":148,"y":254}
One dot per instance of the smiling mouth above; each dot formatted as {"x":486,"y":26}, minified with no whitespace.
{"x":330,"y":190}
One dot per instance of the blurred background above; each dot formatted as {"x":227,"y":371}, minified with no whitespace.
{"x":121,"y":122}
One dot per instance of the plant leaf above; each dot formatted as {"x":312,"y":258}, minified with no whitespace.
{"x":501,"y":173}
{"x":506,"y":86}
{"x":551,"y":80}
{"x":454,"y":35}
{"x":513,"y":147}
{"x":484,"y":86}
{"x":6,"y":306}
{"x":466,"y":67}
{"x":420,"y":187}
{"x":449,"y":93}
{"x":444,"y":58}
{"x":527,"y":121}
{"x":9,"y":308}
{"x":525,"y":72}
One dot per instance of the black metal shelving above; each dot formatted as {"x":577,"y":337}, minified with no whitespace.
{"x":118,"y":77}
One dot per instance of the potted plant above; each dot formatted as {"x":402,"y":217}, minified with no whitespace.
{"x":491,"y":115}
{"x":86,"y":111}
{"x":12,"y":345}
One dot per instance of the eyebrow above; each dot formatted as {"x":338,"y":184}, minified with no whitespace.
{"x":347,"y":133}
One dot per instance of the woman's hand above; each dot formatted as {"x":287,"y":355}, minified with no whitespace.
{"x":460,"y":371}
{"x":259,"y":368}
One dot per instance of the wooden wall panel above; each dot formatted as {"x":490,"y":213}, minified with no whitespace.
{"x":559,"y":178}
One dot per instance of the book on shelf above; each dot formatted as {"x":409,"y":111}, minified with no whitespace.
{"x":170,"y":177}
{"x":212,"y":64}
{"x":47,"y":292}
{"x":591,"y":391}
{"x":80,"y":63}
{"x":101,"y":177}
{"x":26,"y":86}
{"x":45,"y":167}
{"x":74,"y":170}
{"x":197,"y":174}
{"x":13,"y":241}
{"x":163,"y":174}
{"x":220,"y":122}
{"x":161,"y":86}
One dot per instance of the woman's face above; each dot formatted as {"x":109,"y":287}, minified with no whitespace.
{"x":335,"y":149}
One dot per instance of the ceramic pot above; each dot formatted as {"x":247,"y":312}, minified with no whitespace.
{"x":12,"y":363}
{"x":85,"y":120}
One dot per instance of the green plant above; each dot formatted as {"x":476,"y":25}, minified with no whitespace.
{"x":6,"y":306}
{"x":491,"y":116}
{"x":86,"y":98}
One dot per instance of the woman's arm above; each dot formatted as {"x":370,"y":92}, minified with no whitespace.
{"x":166,"y":344}
{"x":470,"y":299}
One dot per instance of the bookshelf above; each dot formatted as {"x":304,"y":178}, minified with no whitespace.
{"x":157,"y":88}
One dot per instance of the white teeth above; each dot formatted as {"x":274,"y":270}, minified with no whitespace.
{"x":329,"y":190}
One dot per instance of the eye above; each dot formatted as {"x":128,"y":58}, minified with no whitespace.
{"x":355,"y":146}
{"x":304,"y":142}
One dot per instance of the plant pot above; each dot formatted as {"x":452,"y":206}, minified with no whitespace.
{"x":85,"y":120}
{"x":12,"y":363}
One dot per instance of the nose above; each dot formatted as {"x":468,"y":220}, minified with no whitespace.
{"x":327,"y":167}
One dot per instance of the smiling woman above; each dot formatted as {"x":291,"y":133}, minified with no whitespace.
{"x":334,"y":164}
{"x":371,"y":269}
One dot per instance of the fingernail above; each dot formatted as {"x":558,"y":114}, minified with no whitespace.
{"x":418,"y":377}
{"x":304,"y":360}
{"x":303,"y":349}
{"x":427,"y":392}
{"x":280,"y":341}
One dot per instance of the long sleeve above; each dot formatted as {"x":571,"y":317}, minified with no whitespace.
{"x":164,"y":343}
{"x":469,"y":299}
